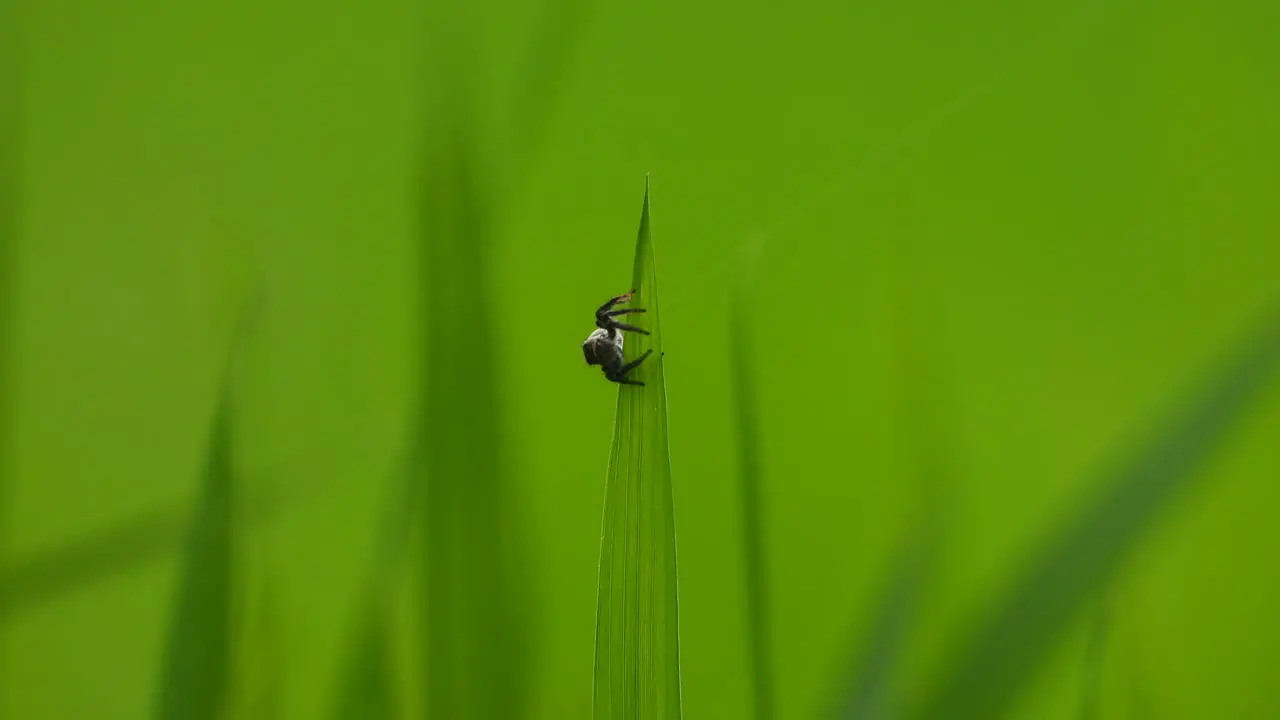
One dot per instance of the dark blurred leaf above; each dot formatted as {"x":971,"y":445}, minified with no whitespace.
{"x":10,"y":202}
{"x":545,"y":64}
{"x":82,"y":562}
{"x":1094,"y":654}
{"x":755,"y":565}
{"x":34,"y":581}
{"x":366,"y":691}
{"x":998,"y":660}
{"x":260,"y":665}
{"x":867,"y":692}
{"x":637,"y":674}
{"x":474,"y":595}
{"x":194,"y":679}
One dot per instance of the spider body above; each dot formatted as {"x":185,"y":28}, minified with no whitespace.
{"x":603,"y":346}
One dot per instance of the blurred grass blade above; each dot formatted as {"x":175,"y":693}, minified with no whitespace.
{"x":637,"y":670}
{"x":194,"y":680}
{"x":366,"y":691}
{"x":11,"y":120}
{"x":753,"y":539}
{"x":1094,"y":654}
{"x":871,"y":688}
{"x":472,"y":586}
{"x":472,"y":655}
{"x":546,"y":61}
{"x":33,"y":582}
{"x":867,"y":694}
{"x":259,"y":667}
{"x":30,"y":582}
{"x":989,"y":671}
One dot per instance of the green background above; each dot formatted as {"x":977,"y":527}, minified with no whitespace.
{"x":1063,"y":214}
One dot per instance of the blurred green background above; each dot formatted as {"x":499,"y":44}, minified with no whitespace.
{"x":1061,"y":215}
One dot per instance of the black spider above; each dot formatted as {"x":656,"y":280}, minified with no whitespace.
{"x":604,"y":346}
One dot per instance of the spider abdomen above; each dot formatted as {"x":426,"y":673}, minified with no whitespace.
{"x":603,"y":348}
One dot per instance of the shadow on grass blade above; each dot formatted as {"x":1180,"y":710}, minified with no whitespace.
{"x":753,"y":534}
{"x":637,"y":665}
{"x":194,"y":680}
{"x":990,"y":670}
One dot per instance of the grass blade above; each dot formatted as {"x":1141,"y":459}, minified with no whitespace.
{"x":472,"y":651}
{"x":556,"y":35}
{"x":989,"y":670}
{"x":870,"y":688}
{"x":259,"y":668}
{"x":637,"y":665}
{"x":867,"y":692}
{"x":366,"y":690}
{"x":195,"y":677}
{"x":753,"y":538}
{"x":472,"y":586}
{"x":31,"y":582}
{"x":195,"y":673}
{"x":1094,"y":656}
{"x":10,"y":203}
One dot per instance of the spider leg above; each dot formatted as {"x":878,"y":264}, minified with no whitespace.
{"x":624,"y":311}
{"x":632,"y":365}
{"x":614,"y":301}
{"x":619,"y":375}
{"x":624,"y":326}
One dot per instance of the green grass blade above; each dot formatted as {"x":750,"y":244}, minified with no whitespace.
{"x":871,"y":686}
{"x":637,"y":665}
{"x":1094,"y":655}
{"x":30,"y":582}
{"x":259,"y":668}
{"x":10,"y":204}
{"x":195,"y":676}
{"x":194,"y":680}
{"x":867,"y":692}
{"x":8,"y":238}
{"x":988,"y":672}
{"x":557,"y":33}
{"x":472,"y":649}
{"x":472,"y":585}
{"x":366,"y":689}
{"x":753,"y":534}
{"x":33,"y":582}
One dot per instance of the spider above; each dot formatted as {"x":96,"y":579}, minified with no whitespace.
{"x":604,"y":346}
